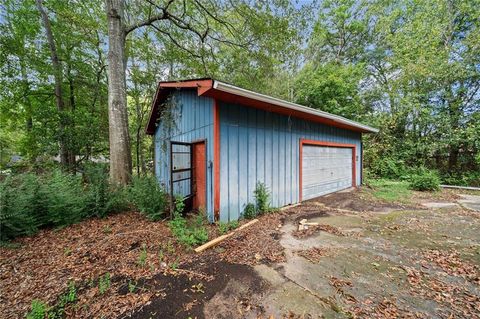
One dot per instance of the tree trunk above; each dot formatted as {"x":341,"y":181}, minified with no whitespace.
{"x":120,"y":156}
{"x":57,"y":70}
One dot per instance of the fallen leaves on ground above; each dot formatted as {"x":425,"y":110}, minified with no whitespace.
{"x":257,"y":243}
{"x":340,"y":285}
{"x":452,"y":264}
{"x":311,"y":230}
{"x":314,"y":254}
{"x":46,"y":263}
{"x":384,"y":309}
{"x":456,"y":299}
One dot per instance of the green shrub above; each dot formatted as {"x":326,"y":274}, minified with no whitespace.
{"x":224,"y":228}
{"x":388,"y":167}
{"x":262,"y":198}
{"x":142,"y":258}
{"x":30,"y":201}
{"x":188,"y":235}
{"x":66,"y":199}
{"x":249,"y":212}
{"x":425,"y":181}
{"x":462,"y":179}
{"x":19,"y":198}
{"x":149,"y":197}
{"x":102,"y":197}
{"x":38,"y":310}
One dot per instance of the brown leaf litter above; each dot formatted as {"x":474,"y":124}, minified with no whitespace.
{"x":455,"y":297}
{"x":257,"y":243}
{"x":451,"y":263}
{"x":311,"y":230}
{"x":130,"y":249}
{"x":314,"y":254}
{"x":46,"y":263}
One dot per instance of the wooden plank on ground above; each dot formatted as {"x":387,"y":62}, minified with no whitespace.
{"x":219,"y":239}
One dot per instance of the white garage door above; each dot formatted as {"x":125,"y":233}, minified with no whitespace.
{"x":325,"y":170}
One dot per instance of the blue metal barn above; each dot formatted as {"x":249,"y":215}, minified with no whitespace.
{"x":215,"y":141}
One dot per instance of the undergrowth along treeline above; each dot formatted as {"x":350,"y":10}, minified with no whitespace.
{"x":397,"y":169}
{"x":30,"y":201}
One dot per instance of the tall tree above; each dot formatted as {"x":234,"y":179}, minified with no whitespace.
{"x":120,"y":156}
{"x":65,"y":157}
{"x":200,"y":30}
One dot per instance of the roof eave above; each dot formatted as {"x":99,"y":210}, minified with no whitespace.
{"x":228,"y":88}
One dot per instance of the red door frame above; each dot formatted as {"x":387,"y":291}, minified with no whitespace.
{"x":326,"y":144}
{"x":204,"y":168}
{"x":216,"y":160}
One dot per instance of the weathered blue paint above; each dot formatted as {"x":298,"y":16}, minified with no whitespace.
{"x":256,"y":145}
{"x":193,"y":121}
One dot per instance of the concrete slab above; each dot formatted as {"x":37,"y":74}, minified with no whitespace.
{"x":372,"y":259}
{"x":470,"y":201}
{"x":440,"y":205}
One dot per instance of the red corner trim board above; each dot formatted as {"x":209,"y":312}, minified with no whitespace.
{"x":327,"y":144}
{"x":216,"y":160}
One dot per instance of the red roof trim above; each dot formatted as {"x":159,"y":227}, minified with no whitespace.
{"x":205,"y":87}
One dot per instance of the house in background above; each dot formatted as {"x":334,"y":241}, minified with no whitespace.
{"x":215,"y":141}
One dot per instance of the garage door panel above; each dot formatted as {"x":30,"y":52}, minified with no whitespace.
{"x":325,"y":170}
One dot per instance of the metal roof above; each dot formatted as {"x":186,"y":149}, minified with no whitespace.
{"x":229,"y":93}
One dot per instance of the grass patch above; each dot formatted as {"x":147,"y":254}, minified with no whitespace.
{"x":391,"y":191}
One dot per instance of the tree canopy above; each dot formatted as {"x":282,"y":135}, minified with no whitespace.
{"x":410,"y":68}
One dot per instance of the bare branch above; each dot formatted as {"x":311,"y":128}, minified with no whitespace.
{"x":151,"y":19}
{"x":176,"y":42}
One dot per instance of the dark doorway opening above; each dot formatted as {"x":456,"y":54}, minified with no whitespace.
{"x":181,"y":172}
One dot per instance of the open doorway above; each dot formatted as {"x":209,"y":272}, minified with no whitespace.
{"x":199,"y":181}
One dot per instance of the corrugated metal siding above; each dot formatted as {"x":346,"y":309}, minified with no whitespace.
{"x":194,"y":121}
{"x":325,"y":170}
{"x":260,"y":146}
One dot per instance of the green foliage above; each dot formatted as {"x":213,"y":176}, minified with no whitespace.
{"x":387,"y":167}
{"x":262,"y":202}
{"x":414,"y":74}
{"x":462,"y":179}
{"x":132,"y":286}
{"x":104,"y":283}
{"x":66,"y":200}
{"x":249,"y":212}
{"x":179,"y":205}
{"x":189,"y":233}
{"x":425,"y":181}
{"x":71,"y":295}
{"x":331,"y":87}
{"x":102,"y":197}
{"x":262,"y":198}
{"x":30,"y":201}
{"x":19,"y":214}
{"x":149,"y":197}
{"x":142,"y":258}
{"x":38,"y":310}
{"x":224,"y":228}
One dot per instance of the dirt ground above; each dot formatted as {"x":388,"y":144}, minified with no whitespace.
{"x":366,"y":258}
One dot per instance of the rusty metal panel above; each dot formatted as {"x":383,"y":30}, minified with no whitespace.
{"x":325,"y":170}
